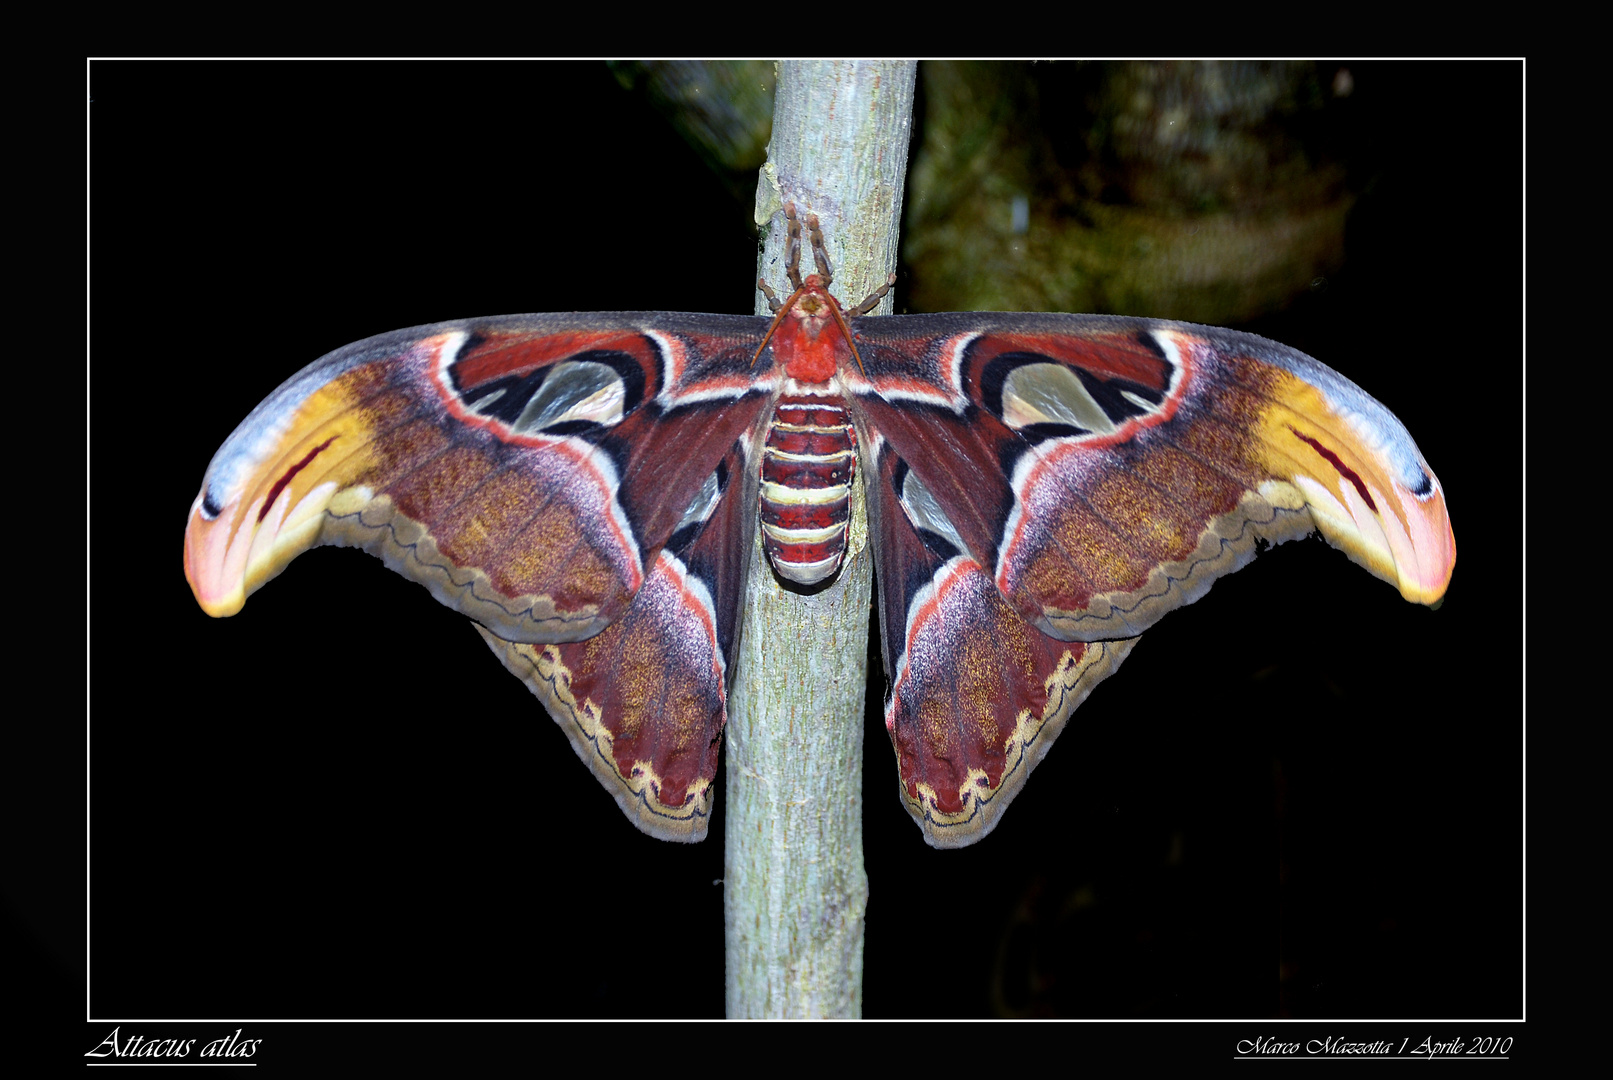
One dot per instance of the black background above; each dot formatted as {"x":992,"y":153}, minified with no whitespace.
{"x":1299,"y":797}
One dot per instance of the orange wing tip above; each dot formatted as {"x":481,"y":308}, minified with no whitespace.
{"x":1367,"y":486}
{"x":1414,"y":549}
{"x":215,"y":557}
{"x":231,"y":556}
{"x":1426,"y":573}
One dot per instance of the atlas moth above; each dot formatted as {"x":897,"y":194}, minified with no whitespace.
{"x":1040,"y":488}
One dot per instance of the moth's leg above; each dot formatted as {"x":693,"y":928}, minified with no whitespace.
{"x":819,"y":255}
{"x":873,"y":298}
{"x":773,"y":302}
{"x":793,"y":249}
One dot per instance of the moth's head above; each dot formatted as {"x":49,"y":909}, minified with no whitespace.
{"x":814,"y":307}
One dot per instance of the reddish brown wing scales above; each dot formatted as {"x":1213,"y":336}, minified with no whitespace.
{"x":551,"y":476}
{"x":1048,"y":486}
{"x":979,"y":702}
{"x":643,"y":703}
{"x":977,"y":693}
{"x":1125,"y":458}
{"x":1041,"y":488}
{"x":519,"y":467}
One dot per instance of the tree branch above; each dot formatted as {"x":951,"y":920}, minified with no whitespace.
{"x":796,"y":891}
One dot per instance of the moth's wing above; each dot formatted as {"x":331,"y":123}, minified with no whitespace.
{"x":644,"y":702}
{"x":1045,"y":487}
{"x":526,"y":469}
{"x":1106,"y":470}
{"x":976,"y":694}
{"x":555,"y":477}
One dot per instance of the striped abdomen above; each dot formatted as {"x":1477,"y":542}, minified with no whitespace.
{"x":808,"y":460}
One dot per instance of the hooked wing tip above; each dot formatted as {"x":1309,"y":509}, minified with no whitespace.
{"x":231,"y":554}
{"x":209,"y":559}
{"x":1424,"y":578}
{"x":1404,"y":539}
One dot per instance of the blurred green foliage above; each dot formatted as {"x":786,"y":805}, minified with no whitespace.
{"x":1206,"y":191}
